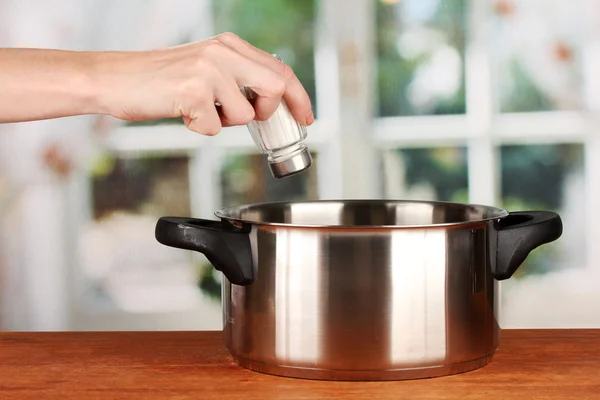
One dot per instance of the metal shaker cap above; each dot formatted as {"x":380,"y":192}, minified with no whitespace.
{"x":293,"y":165}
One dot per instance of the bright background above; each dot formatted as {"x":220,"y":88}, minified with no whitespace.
{"x":487,"y":101}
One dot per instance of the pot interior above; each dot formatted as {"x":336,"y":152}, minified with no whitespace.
{"x":361,"y":213}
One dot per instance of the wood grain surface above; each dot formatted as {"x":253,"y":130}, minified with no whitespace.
{"x":531,"y":364}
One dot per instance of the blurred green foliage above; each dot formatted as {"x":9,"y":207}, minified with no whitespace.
{"x":208,"y":281}
{"x":444,"y":168}
{"x":527,"y":96}
{"x":535,"y":174}
{"x":396,"y":73}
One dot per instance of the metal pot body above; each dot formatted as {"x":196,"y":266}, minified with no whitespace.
{"x":355,"y":304}
{"x":362,"y":290}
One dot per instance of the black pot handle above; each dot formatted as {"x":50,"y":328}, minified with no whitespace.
{"x":226,"y":247}
{"x":518,"y":234}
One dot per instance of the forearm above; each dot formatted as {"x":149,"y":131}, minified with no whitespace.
{"x":42,"y":84}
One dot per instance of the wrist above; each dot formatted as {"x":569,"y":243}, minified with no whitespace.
{"x":80,"y":82}
{"x":98,"y":81}
{"x":114,"y":87}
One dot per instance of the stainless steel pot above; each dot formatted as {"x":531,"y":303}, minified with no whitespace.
{"x":362,"y":289}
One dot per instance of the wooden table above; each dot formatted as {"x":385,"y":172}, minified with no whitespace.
{"x":531,"y":364}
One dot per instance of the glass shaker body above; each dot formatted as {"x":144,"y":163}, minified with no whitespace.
{"x":281,"y":139}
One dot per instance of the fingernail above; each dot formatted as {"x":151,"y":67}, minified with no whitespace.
{"x":310,"y":119}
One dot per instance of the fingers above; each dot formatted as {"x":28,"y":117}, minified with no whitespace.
{"x":225,"y":64}
{"x":234,"y":109}
{"x":266,"y":103}
{"x":296,"y":97}
{"x":266,"y":83}
{"x":294,"y":94}
{"x":204,"y":119}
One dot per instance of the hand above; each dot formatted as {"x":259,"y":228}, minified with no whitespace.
{"x":186,"y":81}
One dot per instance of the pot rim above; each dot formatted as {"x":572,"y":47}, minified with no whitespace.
{"x":229,"y":213}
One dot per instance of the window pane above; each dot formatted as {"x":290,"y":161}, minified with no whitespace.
{"x":277,"y":26}
{"x":426,"y":174}
{"x":548,"y":177}
{"x":123,"y":266}
{"x":420,"y":56}
{"x":539,"y":45}
{"x":148,"y":185}
{"x":246,"y":178}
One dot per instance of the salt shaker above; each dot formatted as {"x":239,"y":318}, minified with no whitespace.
{"x":281,"y":139}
